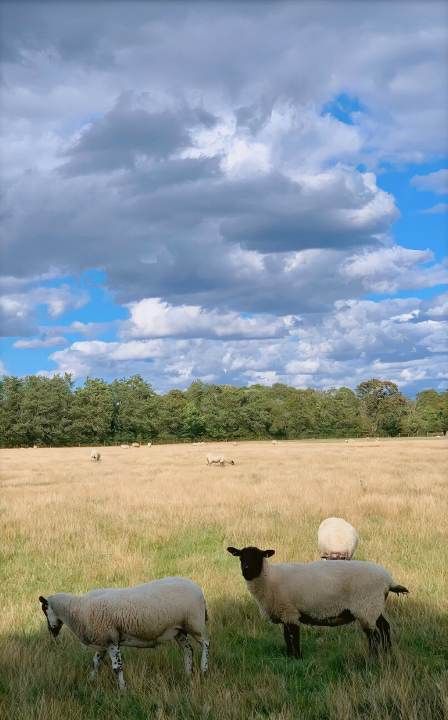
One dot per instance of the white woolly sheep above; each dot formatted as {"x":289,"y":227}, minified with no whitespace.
{"x":124,"y":446}
{"x":149,"y":444}
{"x":135,"y":444}
{"x":172,"y":608}
{"x":336,"y":539}
{"x":219,"y":460}
{"x":274,"y":442}
{"x":319,"y":593}
{"x":95,"y":455}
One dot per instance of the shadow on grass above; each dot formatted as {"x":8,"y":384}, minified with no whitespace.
{"x":249,"y":672}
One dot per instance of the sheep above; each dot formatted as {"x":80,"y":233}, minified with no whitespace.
{"x":172,"y":608}
{"x":149,"y":444}
{"x":124,"y":446}
{"x":95,"y":455}
{"x":319,"y":593}
{"x":219,"y":460}
{"x":336,"y":539}
{"x":274,"y":442}
{"x":135,"y":444}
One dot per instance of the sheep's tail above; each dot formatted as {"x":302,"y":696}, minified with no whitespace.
{"x":399,"y":589}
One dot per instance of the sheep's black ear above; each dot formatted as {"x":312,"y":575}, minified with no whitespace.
{"x":268,"y":553}
{"x":234,"y":551}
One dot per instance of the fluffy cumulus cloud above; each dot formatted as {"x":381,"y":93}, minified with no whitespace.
{"x":230,"y":193}
{"x":403,"y":339}
{"x":18,"y":307}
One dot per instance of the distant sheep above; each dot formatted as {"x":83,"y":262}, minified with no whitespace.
{"x":336,"y":539}
{"x":274,"y":442}
{"x":135,"y":444}
{"x":172,"y":608}
{"x":219,"y":460}
{"x":124,"y":446}
{"x":319,"y":593}
{"x":95,"y":456}
{"x":149,"y":444}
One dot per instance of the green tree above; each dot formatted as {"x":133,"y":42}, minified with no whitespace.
{"x":383,"y":406}
{"x":11,"y":391}
{"x":92,"y":412}
{"x":134,"y":410}
{"x":432,"y":410}
{"x":44,"y":415}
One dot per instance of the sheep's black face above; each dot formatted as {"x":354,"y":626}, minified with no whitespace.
{"x":251,"y":559}
{"x":53,"y":622}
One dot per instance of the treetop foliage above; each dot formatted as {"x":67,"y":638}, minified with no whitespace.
{"x":36,"y":410}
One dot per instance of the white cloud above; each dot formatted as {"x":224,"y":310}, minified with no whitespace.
{"x":153,"y":318}
{"x":438,"y":209}
{"x":50,"y":341}
{"x":390,"y":269}
{"x":17,"y":309}
{"x":436,"y":182}
{"x":356,"y":340}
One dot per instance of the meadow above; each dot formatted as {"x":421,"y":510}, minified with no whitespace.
{"x":70,"y":524}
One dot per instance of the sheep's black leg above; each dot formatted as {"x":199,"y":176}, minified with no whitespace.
{"x":373,"y":637}
{"x":295,"y":634}
{"x":117,"y":665}
{"x":288,"y":639}
{"x":291,"y":633}
{"x":183,"y":641}
{"x":97,"y":659}
{"x":384,"y":632}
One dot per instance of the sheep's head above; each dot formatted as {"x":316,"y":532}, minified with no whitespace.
{"x":53,"y":622}
{"x":251,"y":559}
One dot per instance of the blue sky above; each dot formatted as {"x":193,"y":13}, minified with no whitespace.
{"x":184,"y":206}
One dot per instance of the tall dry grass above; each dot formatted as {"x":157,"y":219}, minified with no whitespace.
{"x":69,"y":524}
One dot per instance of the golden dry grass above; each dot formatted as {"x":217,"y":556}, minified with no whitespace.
{"x":70,"y":524}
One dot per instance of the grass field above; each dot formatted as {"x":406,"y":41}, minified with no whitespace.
{"x":69,"y":524}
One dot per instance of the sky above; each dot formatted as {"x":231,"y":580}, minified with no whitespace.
{"x":234,"y":192}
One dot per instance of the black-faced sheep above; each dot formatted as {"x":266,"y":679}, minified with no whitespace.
{"x":172,"y":608}
{"x":319,"y":593}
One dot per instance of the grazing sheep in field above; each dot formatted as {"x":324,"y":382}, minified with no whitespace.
{"x":274,"y":442}
{"x":336,"y":539}
{"x":219,"y":460}
{"x":124,"y":446}
{"x":149,"y":444}
{"x":95,"y":455}
{"x":135,"y":444}
{"x":172,"y":608}
{"x":319,"y":593}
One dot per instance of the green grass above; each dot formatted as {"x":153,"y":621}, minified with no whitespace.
{"x":104,"y":532}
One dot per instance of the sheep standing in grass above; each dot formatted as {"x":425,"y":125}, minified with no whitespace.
{"x":219,"y":460}
{"x":124,"y":446}
{"x":172,"y":608}
{"x":319,"y":593}
{"x":336,"y":539}
{"x":95,"y":456}
{"x":135,"y":444}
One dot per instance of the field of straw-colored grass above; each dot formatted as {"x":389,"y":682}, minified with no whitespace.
{"x":70,"y":524}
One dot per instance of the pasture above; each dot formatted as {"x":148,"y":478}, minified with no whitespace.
{"x":70,"y":524}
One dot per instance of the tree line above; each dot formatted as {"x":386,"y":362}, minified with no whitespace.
{"x":36,"y":410}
